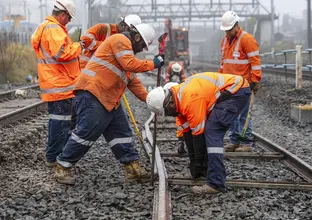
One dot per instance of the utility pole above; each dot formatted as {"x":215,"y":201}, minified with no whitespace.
{"x":40,"y":6}
{"x":46,"y":8}
{"x":272,"y":24}
{"x":89,"y":14}
{"x":309,"y":24}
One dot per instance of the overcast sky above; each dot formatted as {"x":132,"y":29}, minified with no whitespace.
{"x":292,"y":7}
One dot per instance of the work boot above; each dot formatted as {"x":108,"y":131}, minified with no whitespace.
{"x":204,"y":189}
{"x":135,"y":172}
{"x":243,"y":148}
{"x":231,"y":147}
{"x":50,"y":164}
{"x":181,"y":149}
{"x":64,"y":175}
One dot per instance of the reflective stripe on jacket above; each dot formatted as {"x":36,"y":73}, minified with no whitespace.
{"x":241,"y":57}
{"x":93,"y":39}
{"x":109,"y":72}
{"x":57,"y":57}
{"x":196,"y":97}
{"x":169,"y":73}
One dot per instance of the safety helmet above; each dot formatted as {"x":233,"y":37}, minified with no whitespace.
{"x":132,"y":20}
{"x":176,"y":67}
{"x":228,"y":20}
{"x":169,"y":85}
{"x":65,"y":5}
{"x":155,"y":100}
{"x":147,"y":33}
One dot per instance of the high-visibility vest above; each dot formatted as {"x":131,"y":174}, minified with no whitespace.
{"x":241,"y":57}
{"x":57,"y":58}
{"x":111,"y":69}
{"x":196,"y":97}
{"x":93,"y":39}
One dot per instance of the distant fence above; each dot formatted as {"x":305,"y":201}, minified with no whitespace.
{"x":16,"y":37}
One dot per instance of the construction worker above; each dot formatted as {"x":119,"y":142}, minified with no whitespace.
{"x":98,"y":91}
{"x":206,"y":105}
{"x":99,"y":32}
{"x":175,"y":72}
{"x":58,"y":70}
{"x":181,"y":149}
{"x":240,"y":56}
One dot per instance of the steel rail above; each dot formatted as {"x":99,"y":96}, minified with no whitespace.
{"x":22,"y":112}
{"x":10,"y":93}
{"x":162,"y":200}
{"x":292,"y":161}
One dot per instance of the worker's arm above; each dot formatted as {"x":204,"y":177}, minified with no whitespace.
{"x":60,"y":48}
{"x":220,"y":70}
{"x":137,"y":88}
{"x":94,"y":36}
{"x":167,"y":76}
{"x":182,"y":124}
{"x":251,"y":48}
{"x":122,"y":49}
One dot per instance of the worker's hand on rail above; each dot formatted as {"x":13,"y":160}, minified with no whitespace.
{"x":254,"y":86}
{"x":159,"y":60}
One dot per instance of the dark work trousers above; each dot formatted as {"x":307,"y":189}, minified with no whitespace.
{"x":93,"y":120}
{"x":58,"y":128}
{"x":221,"y":118}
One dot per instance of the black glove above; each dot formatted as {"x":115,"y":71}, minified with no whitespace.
{"x":159,"y":60}
{"x":181,"y":149}
{"x":224,"y":96}
{"x":254,"y":86}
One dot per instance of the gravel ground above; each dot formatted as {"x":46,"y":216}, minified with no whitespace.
{"x":29,"y":191}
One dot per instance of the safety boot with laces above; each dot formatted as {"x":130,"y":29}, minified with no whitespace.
{"x":135,"y":172}
{"x":204,"y":189}
{"x":243,"y":148}
{"x":64,"y":175}
{"x":231,"y":147}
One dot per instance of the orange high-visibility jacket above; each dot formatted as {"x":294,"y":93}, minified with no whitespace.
{"x":110,"y":71}
{"x":58,"y":63}
{"x":196,"y":97}
{"x":241,"y":57}
{"x":169,"y":70}
{"x":93,"y":39}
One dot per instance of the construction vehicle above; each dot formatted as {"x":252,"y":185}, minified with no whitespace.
{"x":177,"y":46}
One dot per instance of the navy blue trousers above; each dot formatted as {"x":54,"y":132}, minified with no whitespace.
{"x":221,"y":118}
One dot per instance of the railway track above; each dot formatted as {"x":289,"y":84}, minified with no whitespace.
{"x":298,"y":173}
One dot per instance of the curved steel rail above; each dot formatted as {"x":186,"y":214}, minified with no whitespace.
{"x":22,"y":112}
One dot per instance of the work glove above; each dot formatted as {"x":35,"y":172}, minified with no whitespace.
{"x":254,"y":86}
{"x":82,"y":44}
{"x":181,"y":149}
{"x":159,"y":60}
{"x":224,"y":96}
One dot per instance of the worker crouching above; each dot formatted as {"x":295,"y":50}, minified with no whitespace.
{"x":205,"y":105}
{"x":98,"y":91}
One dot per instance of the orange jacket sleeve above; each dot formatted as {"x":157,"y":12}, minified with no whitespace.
{"x":94,"y":36}
{"x":137,"y":88}
{"x":122,"y":50}
{"x":60,"y":45}
{"x":220,"y":70}
{"x":252,"y":50}
{"x":182,"y":124}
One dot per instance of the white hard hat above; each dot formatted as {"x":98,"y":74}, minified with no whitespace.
{"x":65,"y":5}
{"x":176,"y":67}
{"x":155,"y":100}
{"x":169,"y":85}
{"x":147,"y":33}
{"x":228,"y":20}
{"x":132,"y":20}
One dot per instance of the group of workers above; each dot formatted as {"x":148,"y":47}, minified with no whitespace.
{"x":83,"y":82}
